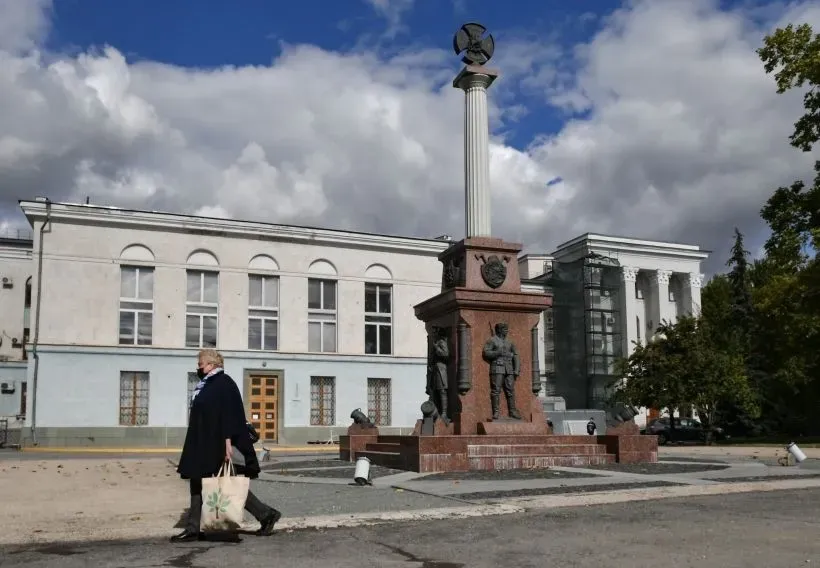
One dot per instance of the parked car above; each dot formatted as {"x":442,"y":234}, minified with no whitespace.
{"x":685,"y":430}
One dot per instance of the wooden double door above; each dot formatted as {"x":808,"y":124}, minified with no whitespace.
{"x":263,"y":406}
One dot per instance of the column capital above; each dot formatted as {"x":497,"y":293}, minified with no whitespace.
{"x":694,"y":280}
{"x":629,"y":273}
{"x":475,"y":76}
{"x":661,"y":276}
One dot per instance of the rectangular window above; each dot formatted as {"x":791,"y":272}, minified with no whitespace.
{"x":136,"y":305}
{"x":378,"y":319}
{"x":378,"y":401}
{"x":322,"y":401}
{"x":321,"y":315}
{"x":202,"y":309}
{"x":133,"y":398}
{"x":263,"y":312}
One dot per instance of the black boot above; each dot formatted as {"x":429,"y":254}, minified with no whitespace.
{"x":266,"y":515}
{"x":494,"y":401}
{"x":511,"y":408}
{"x":191,"y":532}
{"x":444,"y":414}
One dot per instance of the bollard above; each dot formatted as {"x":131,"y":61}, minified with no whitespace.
{"x":362,"y":474}
{"x":796,"y":452}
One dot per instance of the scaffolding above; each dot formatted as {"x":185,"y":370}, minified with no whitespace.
{"x":586,"y":327}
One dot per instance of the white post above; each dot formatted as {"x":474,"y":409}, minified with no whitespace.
{"x":629,"y":309}
{"x":691,"y":293}
{"x":474,"y":80}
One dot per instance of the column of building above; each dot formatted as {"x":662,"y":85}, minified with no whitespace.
{"x":629,"y":309}
{"x":660,"y":308}
{"x":691,"y":293}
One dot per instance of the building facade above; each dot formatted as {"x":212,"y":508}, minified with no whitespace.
{"x":313,"y":323}
{"x":15,"y":303}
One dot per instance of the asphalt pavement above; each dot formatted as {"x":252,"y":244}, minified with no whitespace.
{"x":767,"y":530}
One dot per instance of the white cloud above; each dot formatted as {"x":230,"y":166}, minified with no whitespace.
{"x":683,"y":135}
{"x":392,"y":11}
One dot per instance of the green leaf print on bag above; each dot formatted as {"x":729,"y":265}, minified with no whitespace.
{"x":218,"y":502}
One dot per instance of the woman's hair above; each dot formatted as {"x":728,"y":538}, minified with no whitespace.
{"x":212,"y":356}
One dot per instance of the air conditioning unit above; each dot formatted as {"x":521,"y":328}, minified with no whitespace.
{"x":6,"y":388}
{"x":7,"y":282}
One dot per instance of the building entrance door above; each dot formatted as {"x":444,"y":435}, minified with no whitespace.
{"x":263,"y":403}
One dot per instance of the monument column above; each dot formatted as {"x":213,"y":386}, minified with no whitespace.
{"x":474,"y":80}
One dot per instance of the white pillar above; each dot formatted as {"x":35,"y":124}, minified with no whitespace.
{"x":691,"y":293}
{"x":659,"y":290}
{"x":474,"y":80}
{"x":629,"y":309}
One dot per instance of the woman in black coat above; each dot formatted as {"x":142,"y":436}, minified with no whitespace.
{"x":217,"y":426}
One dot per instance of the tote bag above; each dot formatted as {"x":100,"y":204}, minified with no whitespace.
{"x":223,"y":500}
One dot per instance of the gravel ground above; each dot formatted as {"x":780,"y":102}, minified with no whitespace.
{"x":658,"y":468}
{"x":494,"y":496}
{"x":505,"y":475}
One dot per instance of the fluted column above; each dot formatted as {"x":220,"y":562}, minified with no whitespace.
{"x":474,"y":80}
{"x":691,"y":293}
{"x":659,"y":298}
{"x":629,"y":309}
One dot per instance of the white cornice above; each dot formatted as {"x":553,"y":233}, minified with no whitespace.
{"x":15,"y":253}
{"x":85,"y":214}
{"x":642,"y":247}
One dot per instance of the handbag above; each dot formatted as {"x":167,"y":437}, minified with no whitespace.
{"x":224,"y":497}
{"x":254,"y":435}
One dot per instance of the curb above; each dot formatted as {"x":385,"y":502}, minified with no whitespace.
{"x":81,"y":450}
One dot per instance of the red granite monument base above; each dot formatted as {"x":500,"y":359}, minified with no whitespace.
{"x":481,"y":288}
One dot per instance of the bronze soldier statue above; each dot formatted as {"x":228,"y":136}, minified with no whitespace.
{"x":437,"y":359}
{"x":505,"y":366}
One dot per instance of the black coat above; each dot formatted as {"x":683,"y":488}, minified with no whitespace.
{"x":217,"y":414}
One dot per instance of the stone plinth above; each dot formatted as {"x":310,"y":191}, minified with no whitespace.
{"x":356,"y":440}
{"x":481,"y":287}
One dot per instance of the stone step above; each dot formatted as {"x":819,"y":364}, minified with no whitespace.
{"x":526,"y":462}
{"x":501,"y":450}
{"x":385,"y":459}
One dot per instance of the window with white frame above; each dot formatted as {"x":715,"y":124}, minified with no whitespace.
{"x":263,"y":312}
{"x":202,"y":309}
{"x":136,"y":305}
{"x":321,"y":315}
{"x":322,"y":401}
{"x":378,"y":319}
{"x":378,"y":401}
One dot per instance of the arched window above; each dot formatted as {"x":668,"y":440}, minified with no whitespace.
{"x":322,"y":307}
{"x":263,"y":303}
{"x":378,"y":311}
{"x":202,"y":300}
{"x":136,"y":295}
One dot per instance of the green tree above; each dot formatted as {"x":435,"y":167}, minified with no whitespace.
{"x":683,"y":367}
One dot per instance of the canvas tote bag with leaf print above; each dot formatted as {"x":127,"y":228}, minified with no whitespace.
{"x":223,"y":500}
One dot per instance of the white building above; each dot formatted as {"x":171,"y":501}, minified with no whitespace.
{"x":15,"y":300}
{"x":313,"y":323}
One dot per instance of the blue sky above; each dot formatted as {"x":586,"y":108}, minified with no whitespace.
{"x":644,"y":118}
{"x":213,"y":33}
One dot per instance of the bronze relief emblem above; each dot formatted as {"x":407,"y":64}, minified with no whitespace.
{"x":493,"y":271}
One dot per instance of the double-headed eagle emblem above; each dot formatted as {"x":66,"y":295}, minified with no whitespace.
{"x":476,"y":48}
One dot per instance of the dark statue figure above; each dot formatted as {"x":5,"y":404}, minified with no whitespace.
{"x":437,"y":381}
{"x":472,"y":45}
{"x":360,"y":418}
{"x":505,"y":366}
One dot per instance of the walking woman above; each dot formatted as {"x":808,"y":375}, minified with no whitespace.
{"x":216,"y":430}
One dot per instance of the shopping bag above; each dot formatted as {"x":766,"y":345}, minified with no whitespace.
{"x":223,"y":500}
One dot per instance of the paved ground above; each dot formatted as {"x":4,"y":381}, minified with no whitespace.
{"x":77,"y":498}
{"x":771,"y":530}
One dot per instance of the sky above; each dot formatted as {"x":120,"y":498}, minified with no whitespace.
{"x":642,"y":118}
